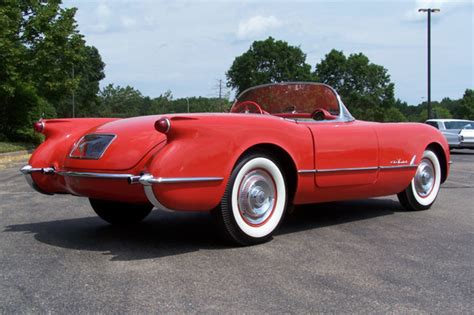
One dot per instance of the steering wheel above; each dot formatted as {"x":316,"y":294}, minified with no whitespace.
{"x":243,"y":107}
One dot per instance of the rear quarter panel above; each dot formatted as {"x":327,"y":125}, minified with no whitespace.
{"x":60,"y":136}
{"x":211,"y":146}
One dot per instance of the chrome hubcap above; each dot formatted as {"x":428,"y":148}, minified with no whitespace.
{"x":256,"y":197}
{"x":424,"y":178}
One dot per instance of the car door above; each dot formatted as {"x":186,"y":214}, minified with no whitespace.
{"x":346,"y":153}
{"x":451,"y":134}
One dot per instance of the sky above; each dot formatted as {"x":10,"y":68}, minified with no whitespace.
{"x":187,"y":46}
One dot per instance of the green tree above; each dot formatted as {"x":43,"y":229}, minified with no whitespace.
{"x":268,"y":61}
{"x":88,"y":71}
{"x":200,"y":105}
{"x":393,"y":114}
{"x":161,"y":104}
{"x":39,"y":46}
{"x":365,"y":87}
{"x":116,"y":101}
{"x":466,"y":109}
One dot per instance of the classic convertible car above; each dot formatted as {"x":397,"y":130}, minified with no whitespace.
{"x":281,"y":144}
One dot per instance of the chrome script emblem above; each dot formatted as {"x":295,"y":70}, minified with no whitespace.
{"x":399,"y":161}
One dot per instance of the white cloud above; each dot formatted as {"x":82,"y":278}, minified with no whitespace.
{"x":102,"y":14}
{"x":103,"y":11}
{"x":186,"y":45}
{"x":128,"y":22}
{"x":257,"y":25}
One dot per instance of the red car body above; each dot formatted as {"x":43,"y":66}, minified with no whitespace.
{"x":188,"y":166}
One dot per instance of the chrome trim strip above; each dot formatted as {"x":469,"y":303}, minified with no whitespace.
{"x":356,"y":169}
{"x":152,"y":198}
{"x":94,"y":175}
{"x":148,"y":179}
{"x":349,"y":169}
{"x":307,"y":171}
{"x":174,"y":180}
{"x":398,"y":166}
{"x":450,"y":162}
{"x":145,"y":179}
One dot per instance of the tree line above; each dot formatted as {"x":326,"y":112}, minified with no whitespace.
{"x":46,"y":67}
{"x":365,"y":87}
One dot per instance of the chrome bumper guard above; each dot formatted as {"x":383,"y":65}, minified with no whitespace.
{"x":27,"y":170}
{"x":147,"y":180}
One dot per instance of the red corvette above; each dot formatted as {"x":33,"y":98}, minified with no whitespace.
{"x":282,"y":144}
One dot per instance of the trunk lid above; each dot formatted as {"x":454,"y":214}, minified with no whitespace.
{"x":135,"y":137}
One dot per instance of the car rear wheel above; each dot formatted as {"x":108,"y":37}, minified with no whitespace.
{"x":255,"y":200}
{"x":424,"y":187}
{"x":120,"y":213}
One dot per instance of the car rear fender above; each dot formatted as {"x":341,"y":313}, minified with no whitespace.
{"x":210,"y":146}
{"x":60,"y":135}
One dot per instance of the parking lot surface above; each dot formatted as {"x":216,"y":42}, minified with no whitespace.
{"x":366,"y":256}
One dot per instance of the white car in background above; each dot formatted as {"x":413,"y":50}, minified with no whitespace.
{"x":458,"y":132}
{"x":467,"y":138}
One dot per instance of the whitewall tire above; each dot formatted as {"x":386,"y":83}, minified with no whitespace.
{"x":255,"y":200}
{"x":424,"y":187}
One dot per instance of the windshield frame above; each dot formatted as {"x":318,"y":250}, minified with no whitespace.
{"x":344,"y":114}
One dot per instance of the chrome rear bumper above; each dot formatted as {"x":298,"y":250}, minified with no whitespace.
{"x":147,"y":180}
{"x":27,"y":170}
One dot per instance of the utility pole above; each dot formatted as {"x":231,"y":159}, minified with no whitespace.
{"x":187,"y":101}
{"x":429,"y":11}
{"x":220,"y":88}
{"x":73,"y":94}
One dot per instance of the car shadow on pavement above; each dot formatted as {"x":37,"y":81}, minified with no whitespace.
{"x":333,"y":213}
{"x":163,"y":234}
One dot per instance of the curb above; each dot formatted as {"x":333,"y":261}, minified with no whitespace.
{"x":15,"y":153}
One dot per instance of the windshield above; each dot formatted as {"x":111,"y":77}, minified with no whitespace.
{"x":459,"y":124}
{"x":290,"y":99}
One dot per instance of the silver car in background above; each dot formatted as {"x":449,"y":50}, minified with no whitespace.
{"x":451,"y":129}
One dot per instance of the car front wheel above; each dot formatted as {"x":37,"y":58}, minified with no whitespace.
{"x":424,"y":187}
{"x":120,"y":213}
{"x":255,"y":200}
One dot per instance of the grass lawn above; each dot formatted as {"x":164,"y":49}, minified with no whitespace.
{"x":15,"y":146}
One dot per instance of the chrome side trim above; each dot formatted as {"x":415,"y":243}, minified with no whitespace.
{"x":356,"y":169}
{"x":148,"y":179}
{"x":154,"y":201}
{"x":349,"y":169}
{"x":450,"y":162}
{"x":175,"y":180}
{"x":145,"y":179}
{"x":391,"y":167}
{"x":94,"y":175}
{"x":307,"y":171}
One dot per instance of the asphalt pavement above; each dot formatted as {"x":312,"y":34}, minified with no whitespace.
{"x":366,"y":256}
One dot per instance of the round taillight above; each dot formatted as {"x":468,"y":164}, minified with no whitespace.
{"x":38,"y":126}
{"x":163,"y":125}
